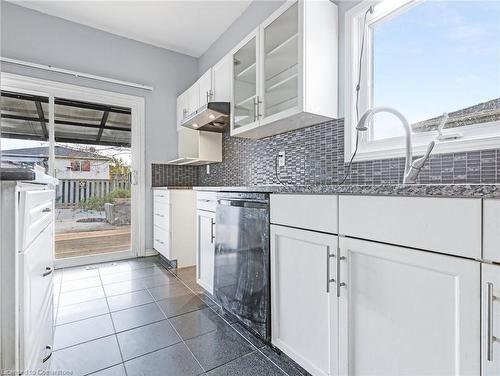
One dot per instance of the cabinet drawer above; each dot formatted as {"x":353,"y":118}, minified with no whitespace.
{"x":161,"y":213}
{"x":206,"y":201}
{"x":161,"y":241}
{"x":36,"y":280}
{"x":446,"y":225}
{"x":313,"y":212}
{"x":161,"y":195}
{"x":37,"y":344}
{"x":36,"y":213}
{"x":491,"y":230}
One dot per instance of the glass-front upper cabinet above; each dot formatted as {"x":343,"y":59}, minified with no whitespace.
{"x":245,"y":82}
{"x":285,"y":73}
{"x":280,"y":57}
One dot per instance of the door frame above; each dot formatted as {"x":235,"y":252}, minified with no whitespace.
{"x":15,"y":82}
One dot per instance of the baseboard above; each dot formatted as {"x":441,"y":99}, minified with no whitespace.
{"x":150,"y":252}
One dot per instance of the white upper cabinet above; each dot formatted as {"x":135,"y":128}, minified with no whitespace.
{"x":198,"y":147}
{"x":193,"y":98}
{"x":205,"y":88}
{"x":213,"y":86}
{"x":285,"y":72}
{"x":221,"y":80}
{"x":244,"y":84}
{"x":181,"y":108}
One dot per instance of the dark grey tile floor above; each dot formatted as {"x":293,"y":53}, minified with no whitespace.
{"x":135,"y":317}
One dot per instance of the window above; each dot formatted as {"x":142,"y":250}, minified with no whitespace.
{"x":83,"y":166}
{"x":424,"y":58}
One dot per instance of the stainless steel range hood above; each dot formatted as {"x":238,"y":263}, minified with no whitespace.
{"x":213,"y":117}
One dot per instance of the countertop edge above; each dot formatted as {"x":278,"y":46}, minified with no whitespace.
{"x":418,"y":190}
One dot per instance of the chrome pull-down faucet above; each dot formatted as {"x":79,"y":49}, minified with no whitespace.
{"x":412,"y":168}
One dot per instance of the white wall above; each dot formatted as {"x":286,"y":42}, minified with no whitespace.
{"x":257,"y":12}
{"x":40,"y":38}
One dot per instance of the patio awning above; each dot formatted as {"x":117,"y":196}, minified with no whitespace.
{"x":25,"y":116}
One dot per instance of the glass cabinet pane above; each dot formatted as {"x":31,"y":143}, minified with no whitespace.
{"x":245,"y":84}
{"x":281,"y":63}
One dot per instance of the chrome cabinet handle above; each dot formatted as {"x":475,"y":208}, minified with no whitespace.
{"x":48,"y":356}
{"x":159,"y":241}
{"x":490,"y":338}
{"x":258,"y":107}
{"x":255,"y":110}
{"x":328,"y":279}
{"x":48,"y":271}
{"x":46,"y":210}
{"x":212,"y":232}
{"x":160,"y":215}
{"x":339,"y":284}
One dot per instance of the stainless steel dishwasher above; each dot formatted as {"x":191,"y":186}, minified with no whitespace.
{"x":241,"y":276}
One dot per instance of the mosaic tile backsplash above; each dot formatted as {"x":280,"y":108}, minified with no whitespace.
{"x":315,"y":156}
{"x":179,"y":176}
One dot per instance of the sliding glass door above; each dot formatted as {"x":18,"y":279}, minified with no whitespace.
{"x":88,"y":146}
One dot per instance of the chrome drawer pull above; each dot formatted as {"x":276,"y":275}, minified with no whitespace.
{"x":212,"y":231}
{"x":46,"y":210}
{"x":49,"y":271}
{"x":159,"y":241}
{"x":489,"y":309}
{"x":328,"y":279}
{"x":48,"y":356}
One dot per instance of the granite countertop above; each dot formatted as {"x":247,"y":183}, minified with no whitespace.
{"x":438,"y":190}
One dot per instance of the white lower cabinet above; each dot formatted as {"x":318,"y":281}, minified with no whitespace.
{"x":205,"y":245}
{"x":490,"y":342}
{"x":304,"y":301}
{"x":407,"y":312}
{"x":174,"y":225}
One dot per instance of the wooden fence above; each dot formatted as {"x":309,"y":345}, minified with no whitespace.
{"x":70,"y":192}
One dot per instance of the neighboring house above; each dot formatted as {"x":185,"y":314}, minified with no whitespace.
{"x":480,"y":113}
{"x":69,"y":163}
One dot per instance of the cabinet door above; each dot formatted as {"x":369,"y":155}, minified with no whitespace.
{"x":181,"y":108}
{"x":407,"y":312}
{"x":491,"y":320}
{"x":205,"y":250}
{"x":280,"y":62}
{"x":205,"y":88}
{"x":491,"y":230}
{"x":221,"y":80}
{"x":303,"y":299}
{"x":193,"y":99}
{"x":245,"y":101}
{"x":36,"y":299}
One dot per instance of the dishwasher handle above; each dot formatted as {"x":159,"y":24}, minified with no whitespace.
{"x":256,"y":204}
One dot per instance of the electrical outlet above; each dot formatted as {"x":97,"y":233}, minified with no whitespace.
{"x":281,"y":159}
{"x":208,"y":169}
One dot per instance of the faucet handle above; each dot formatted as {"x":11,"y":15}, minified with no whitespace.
{"x":418,"y":163}
{"x":444,"y":119}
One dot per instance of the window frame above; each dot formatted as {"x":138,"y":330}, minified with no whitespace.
{"x":473,"y":137}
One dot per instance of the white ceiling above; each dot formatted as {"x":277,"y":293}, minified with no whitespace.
{"x":188,"y":26}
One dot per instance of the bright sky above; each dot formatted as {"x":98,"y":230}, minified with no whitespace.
{"x":438,"y":56}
